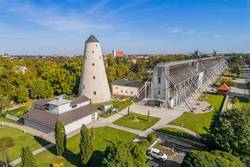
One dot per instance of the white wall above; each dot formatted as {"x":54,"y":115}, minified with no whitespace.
{"x":124,"y":90}
{"x":78,"y":124}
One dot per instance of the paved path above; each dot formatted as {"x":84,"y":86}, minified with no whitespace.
{"x":37,"y":151}
{"x":27,"y":129}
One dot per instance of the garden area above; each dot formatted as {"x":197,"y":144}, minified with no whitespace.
{"x":20,"y":140}
{"x":103,"y":137}
{"x":18,"y":112}
{"x":199,"y":123}
{"x":137,"y":121}
{"x":178,"y":133}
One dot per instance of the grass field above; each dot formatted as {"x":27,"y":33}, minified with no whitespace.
{"x":178,"y":133}
{"x":200,"y":122}
{"x":142,"y":124}
{"x":103,"y":137}
{"x":20,"y":140}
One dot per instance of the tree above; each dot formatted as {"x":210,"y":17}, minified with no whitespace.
{"x":60,"y":138}
{"x":121,"y":154}
{"x":148,"y":115}
{"x":5,"y":143}
{"x":27,"y":158}
{"x":22,"y":94}
{"x":86,"y":145}
{"x":4,"y":103}
{"x":230,"y":132}
{"x":40,"y":88}
{"x":211,"y":159}
{"x":151,"y":137}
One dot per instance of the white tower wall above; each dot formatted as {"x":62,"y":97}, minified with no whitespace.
{"x":94,"y":83}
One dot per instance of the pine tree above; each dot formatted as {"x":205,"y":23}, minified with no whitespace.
{"x":27,"y":158}
{"x":86,"y":145}
{"x":60,"y":138}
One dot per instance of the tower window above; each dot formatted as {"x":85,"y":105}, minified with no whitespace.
{"x":93,"y":64}
{"x":93,"y":51}
{"x":94,"y":92}
{"x":159,"y":80}
{"x":93,"y":77}
{"x":96,"y":45}
{"x":159,"y":92}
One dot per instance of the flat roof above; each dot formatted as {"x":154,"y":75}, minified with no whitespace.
{"x":128,"y":83}
{"x":173,"y":63}
{"x":59,"y":101}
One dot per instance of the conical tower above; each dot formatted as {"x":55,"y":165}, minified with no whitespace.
{"x":94,"y":83}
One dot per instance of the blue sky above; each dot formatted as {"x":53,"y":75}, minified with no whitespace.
{"x":134,"y":26}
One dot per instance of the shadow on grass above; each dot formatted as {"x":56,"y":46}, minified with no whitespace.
{"x":41,"y":141}
{"x":96,"y":159}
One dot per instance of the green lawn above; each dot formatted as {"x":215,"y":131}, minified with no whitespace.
{"x":103,"y":136}
{"x":178,"y":133}
{"x":142,"y":124}
{"x":120,"y":105}
{"x":200,"y":122}
{"x":20,"y":140}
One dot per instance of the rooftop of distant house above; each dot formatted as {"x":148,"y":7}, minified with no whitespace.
{"x":128,"y":83}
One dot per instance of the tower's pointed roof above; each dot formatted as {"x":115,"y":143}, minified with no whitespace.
{"x":92,"y":38}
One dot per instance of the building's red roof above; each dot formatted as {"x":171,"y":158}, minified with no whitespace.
{"x":224,"y":87}
{"x":119,"y":53}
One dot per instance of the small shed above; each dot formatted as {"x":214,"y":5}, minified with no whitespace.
{"x":224,"y":88}
{"x":105,"y":107}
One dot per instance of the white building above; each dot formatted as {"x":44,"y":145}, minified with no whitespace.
{"x":94,"y":82}
{"x":126,"y":88}
{"x":72,"y":113}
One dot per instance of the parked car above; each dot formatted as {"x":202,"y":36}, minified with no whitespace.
{"x":155,"y":153}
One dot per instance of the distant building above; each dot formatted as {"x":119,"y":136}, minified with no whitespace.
{"x":126,"y":87}
{"x":118,"y":53}
{"x":21,"y":69}
{"x":94,"y":82}
{"x":72,"y":113}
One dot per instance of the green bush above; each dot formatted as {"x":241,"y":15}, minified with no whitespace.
{"x":211,"y":159}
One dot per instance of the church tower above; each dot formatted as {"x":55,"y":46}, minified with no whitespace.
{"x":94,"y":83}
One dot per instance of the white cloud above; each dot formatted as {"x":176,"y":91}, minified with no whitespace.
{"x":70,"y":24}
{"x":98,"y":6}
{"x":126,"y":6}
{"x":55,"y":18}
{"x":216,"y":36}
{"x":176,"y":30}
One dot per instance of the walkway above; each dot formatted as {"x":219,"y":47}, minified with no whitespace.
{"x":39,"y":150}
